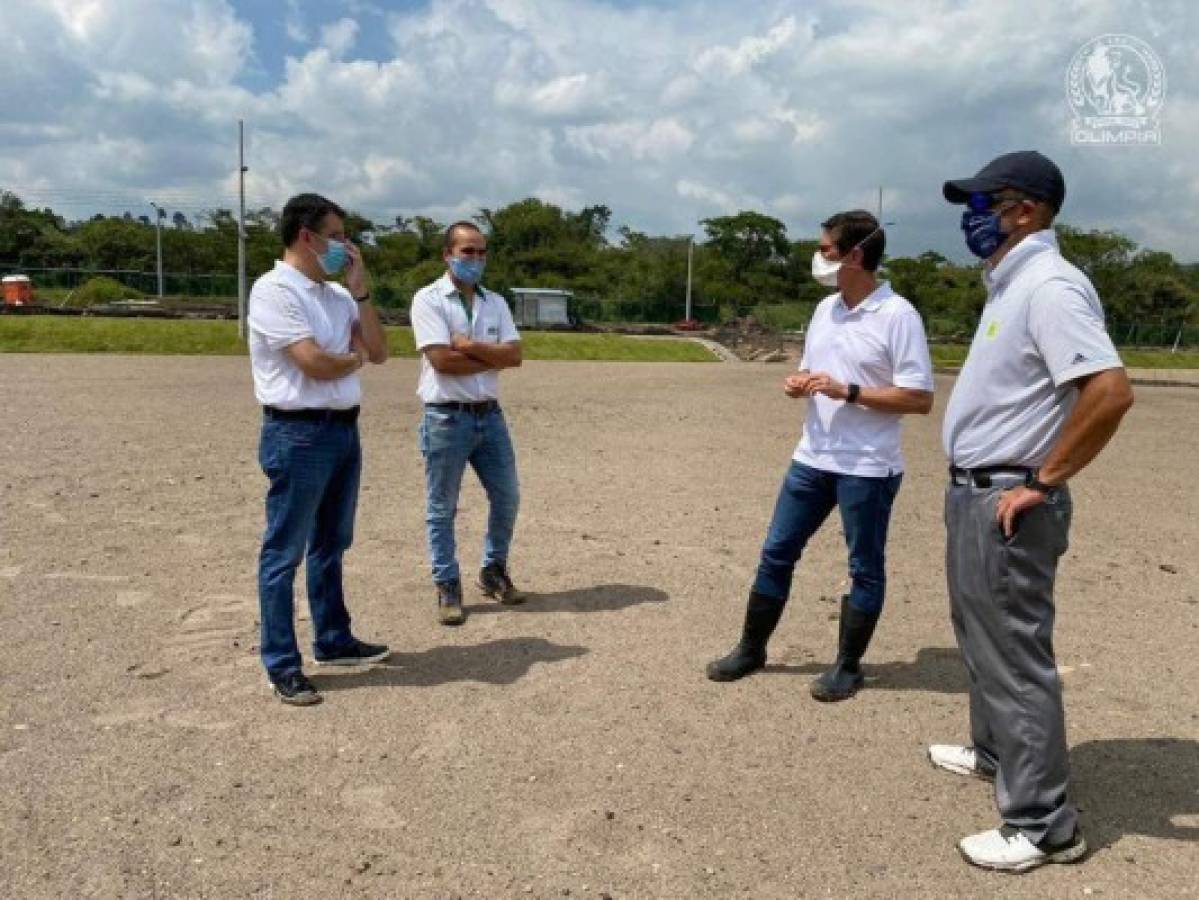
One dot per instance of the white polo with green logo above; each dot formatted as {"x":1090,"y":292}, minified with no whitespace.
{"x":1041,"y":329}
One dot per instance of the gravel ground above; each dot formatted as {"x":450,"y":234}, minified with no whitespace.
{"x":572,"y":746}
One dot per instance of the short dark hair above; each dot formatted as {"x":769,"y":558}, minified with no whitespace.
{"x":448,"y":240}
{"x":305,"y":211}
{"x":848,"y":229}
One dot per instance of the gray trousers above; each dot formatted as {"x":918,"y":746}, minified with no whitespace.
{"x":1001,"y":600}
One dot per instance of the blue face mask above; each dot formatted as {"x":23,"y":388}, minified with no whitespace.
{"x":983,"y":233}
{"x":334,"y":258}
{"x":468,"y":271}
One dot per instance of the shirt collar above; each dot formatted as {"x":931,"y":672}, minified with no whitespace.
{"x":295,"y":277}
{"x":873,"y":301}
{"x":445,"y":285}
{"x":1031,"y":246}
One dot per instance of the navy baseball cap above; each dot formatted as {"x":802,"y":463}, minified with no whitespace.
{"x":1025,"y":170}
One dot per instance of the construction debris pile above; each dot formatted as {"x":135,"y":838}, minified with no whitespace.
{"x":752,"y":341}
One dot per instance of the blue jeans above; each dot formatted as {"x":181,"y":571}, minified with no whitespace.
{"x":314,"y":469}
{"x":449,"y":439}
{"x":805,"y":500}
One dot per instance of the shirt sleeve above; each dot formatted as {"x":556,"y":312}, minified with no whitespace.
{"x":1066,"y":323}
{"x":508,"y":332}
{"x":429,"y":327}
{"x":912,"y":366}
{"x":278,"y":315}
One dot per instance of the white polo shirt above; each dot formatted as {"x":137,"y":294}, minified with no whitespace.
{"x":878,"y":343}
{"x":1042,"y":327}
{"x":438,"y":313}
{"x":287,"y":306}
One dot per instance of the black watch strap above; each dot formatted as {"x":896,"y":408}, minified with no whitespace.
{"x":854,"y":390}
{"x":1035,"y":484}
{"x":363,"y":298}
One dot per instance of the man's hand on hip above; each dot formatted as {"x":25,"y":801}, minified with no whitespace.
{"x":1012,"y":503}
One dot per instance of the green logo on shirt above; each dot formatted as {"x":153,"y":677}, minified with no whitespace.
{"x":992,"y":330}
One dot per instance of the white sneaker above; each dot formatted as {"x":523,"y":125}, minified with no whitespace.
{"x":960,"y":761}
{"x":1006,"y":849}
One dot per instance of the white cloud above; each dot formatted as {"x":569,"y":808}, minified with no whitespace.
{"x":339,"y":37}
{"x":665,"y":113}
{"x":728,"y":61}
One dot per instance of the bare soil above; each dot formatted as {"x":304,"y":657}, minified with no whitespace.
{"x":570,"y":747}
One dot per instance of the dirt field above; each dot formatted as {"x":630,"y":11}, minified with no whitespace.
{"x":570,"y":747}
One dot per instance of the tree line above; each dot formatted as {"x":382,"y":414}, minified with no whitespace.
{"x":743,"y":263}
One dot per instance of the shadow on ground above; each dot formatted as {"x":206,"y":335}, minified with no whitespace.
{"x":501,"y":661}
{"x":1146,"y":786}
{"x":600,"y":598}
{"x":935,"y":669}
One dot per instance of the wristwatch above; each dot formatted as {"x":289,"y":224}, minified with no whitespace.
{"x":1035,"y":484}
{"x":363,"y":298}
{"x":854,"y":390}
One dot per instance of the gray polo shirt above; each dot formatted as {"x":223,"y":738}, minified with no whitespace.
{"x":1042,"y":327}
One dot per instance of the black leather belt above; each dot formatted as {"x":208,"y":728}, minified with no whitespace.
{"x":478,"y":408}
{"x":985,"y":477}
{"x":346,"y":416}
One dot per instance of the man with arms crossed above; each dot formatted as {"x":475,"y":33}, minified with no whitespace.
{"x":1041,"y":393}
{"x":308,"y":339}
{"x":466,"y":335}
{"x":865,"y":364}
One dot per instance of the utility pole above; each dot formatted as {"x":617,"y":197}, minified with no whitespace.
{"x":159,"y":215}
{"x":690,"y":248}
{"x":880,"y":202}
{"x":241,"y":229}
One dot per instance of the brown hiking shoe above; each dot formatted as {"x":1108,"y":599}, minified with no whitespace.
{"x":495,"y":583}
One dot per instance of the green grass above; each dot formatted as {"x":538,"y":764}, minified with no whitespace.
{"x":955,"y":354}
{"x":70,"y":334}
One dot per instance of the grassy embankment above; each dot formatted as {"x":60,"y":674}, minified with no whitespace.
{"x":54,"y":334}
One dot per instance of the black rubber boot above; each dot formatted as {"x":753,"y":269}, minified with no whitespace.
{"x":762,"y":614}
{"x":845,"y":677}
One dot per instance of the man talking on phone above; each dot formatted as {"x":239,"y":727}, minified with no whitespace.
{"x":309,"y":336}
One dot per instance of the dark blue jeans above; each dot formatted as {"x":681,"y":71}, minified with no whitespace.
{"x":805,"y":500}
{"x":450,"y":440}
{"x":314,"y":469}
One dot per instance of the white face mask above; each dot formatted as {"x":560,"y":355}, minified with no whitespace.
{"x":825,"y":271}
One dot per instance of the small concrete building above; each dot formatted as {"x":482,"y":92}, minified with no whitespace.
{"x":537,"y":307}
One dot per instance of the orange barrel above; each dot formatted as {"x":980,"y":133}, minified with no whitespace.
{"x":18,"y":290}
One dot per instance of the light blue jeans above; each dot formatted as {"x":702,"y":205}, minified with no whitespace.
{"x":449,"y":440}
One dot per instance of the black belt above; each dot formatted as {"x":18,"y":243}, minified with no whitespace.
{"x":347,"y":416}
{"x":984,"y":477}
{"x":479,"y":408}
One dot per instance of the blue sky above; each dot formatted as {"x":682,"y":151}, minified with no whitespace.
{"x":666,"y":112}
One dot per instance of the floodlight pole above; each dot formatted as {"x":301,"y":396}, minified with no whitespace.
{"x":241,"y":229}
{"x":159,"y":213}
{"x":690,"y":248}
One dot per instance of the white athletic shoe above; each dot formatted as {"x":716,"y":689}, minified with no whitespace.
{"x":960,"y":761}
{"x":1006,"y":849}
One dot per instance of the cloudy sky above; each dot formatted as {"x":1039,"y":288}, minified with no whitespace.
{"x":668,"y":112}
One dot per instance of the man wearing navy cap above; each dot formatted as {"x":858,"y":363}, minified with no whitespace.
{"x":1041,"y":393}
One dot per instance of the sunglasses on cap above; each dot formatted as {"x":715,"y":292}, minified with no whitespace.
{"x":981,"y":202}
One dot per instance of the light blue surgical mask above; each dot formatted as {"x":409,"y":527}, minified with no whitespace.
{"x":468,"y":271}
{"x":334,"y":258}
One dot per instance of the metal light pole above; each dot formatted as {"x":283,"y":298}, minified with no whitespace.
{"x":160,"y":213}
{"x":690,"y":247}
{"x":241,"y":230}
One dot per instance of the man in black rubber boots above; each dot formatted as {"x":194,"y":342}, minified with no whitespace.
{"x":865,"y":364}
